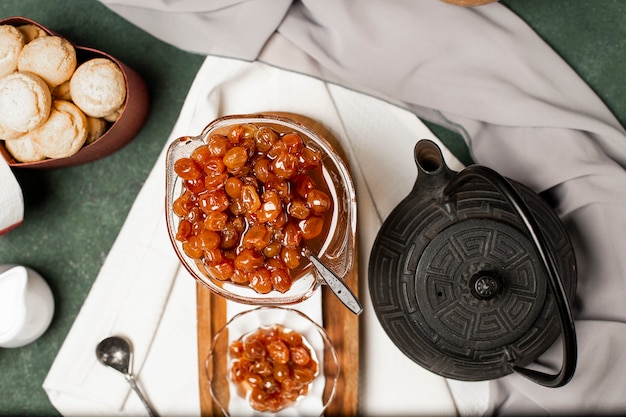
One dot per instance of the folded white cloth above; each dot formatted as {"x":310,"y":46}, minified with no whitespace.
{"x":143,"y":294}
{"x":11,"y":199}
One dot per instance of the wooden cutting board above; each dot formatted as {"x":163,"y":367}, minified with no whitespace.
{"x":340,"y":323}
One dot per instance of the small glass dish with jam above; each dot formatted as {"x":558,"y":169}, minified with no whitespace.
{"x":272,"y":360}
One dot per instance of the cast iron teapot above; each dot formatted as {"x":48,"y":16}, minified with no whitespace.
{"x":472,"y":273}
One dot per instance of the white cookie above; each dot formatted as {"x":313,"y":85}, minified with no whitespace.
{"x":98,"y":87}
{"x":8,"y":134}
{"x":24,"y":101}
{"x":31,"y":31}
{"x":11,"y":44}
{"x":51,"y":57}
{"x":64,"y":133}
{"x":62,"y":91}
{"x":114,"y":116}
{"x":24,"y":149}
{"x":95,"y":128}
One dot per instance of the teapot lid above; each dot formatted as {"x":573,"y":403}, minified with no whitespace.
{"x":473,"y":301}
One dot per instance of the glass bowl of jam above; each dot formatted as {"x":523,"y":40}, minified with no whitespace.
{"x":272,"y":360}
{"x":251,"y":198}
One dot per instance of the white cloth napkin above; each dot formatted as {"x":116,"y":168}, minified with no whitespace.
{"x":142,"y":293}
{"x":11,"y":199}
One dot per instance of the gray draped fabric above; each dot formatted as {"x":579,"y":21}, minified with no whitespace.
{"x":522,"y":110}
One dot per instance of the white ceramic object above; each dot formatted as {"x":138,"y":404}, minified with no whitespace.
{"x":26,"y":305}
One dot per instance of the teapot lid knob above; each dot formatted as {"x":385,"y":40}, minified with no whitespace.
{"x":485,"y":285}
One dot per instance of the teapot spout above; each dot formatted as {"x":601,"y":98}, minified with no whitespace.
{"x":432,"y":172}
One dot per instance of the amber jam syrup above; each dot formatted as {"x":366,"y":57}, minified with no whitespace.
{"x":322,"y":181}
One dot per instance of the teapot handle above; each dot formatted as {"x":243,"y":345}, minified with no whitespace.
{"x":570,"y":352}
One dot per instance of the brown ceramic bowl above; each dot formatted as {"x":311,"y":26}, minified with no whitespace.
{"x":118,"y":134}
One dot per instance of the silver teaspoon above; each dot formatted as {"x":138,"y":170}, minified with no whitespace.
{"x":116,"y":353}
{"x":337,"y":286}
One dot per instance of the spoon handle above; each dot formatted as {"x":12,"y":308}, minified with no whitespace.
{"x":131,"y":380}
{"x":341,"y":290}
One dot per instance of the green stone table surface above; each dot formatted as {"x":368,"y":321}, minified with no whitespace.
{"x":73,"y":215}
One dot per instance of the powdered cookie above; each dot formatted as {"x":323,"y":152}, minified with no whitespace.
{"x":24,"y":149}
{"x":114,"y":116}
{"x":30,"y":32}
{"x":11,"y":44}
{"x":62,"y":91}
{"x":8,"y":134}
{"x":64,"y":133}
{"x":95,"y":128}
{"x":24,"y":101}
{"x":98,"y":87}
{"x":51,"y":57}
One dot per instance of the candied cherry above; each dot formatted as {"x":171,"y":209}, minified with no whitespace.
{"x":196,"y":185}
{"x":293,"y":143}
{"x":249,"y":260}
{"x":208,"y":240}
{"x":222,"y":270}
{"x":184,"y":230}
{"x":303,"y":184}
{"x":265,"y":138}
{"x":311,"y":227}
{"x":232,"y":186}
{"x":257,"y":237}
{"x":201,"y":155}
{"x":299,"y":209}
{"x":262,"y":169}
{"x":281,"y":281}
{"x":250,"y":198}
{"x":260,"y":280}
{"x":285,"y":165}
{"x":218,"y":145}
{"x":253,"y":349}
{"x":235,"y":157}
{"x":309,"y":159}
{"x":215,"y":220}
{"x":216,"y":200}
{"x":191,"y":248}
{"x":300,"y":355}
{"x":318,"y":201}
{"x":187,"y":169}
{"x":290,"y":256}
